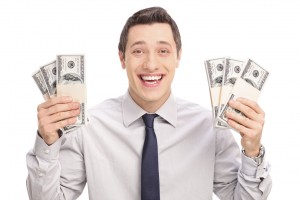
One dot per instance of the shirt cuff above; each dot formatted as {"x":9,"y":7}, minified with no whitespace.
{"x":46,"y":152}
{"x":251,"y":168}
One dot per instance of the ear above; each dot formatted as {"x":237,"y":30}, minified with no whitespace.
{"x":178,"y":58}
{"x":122,"y":59}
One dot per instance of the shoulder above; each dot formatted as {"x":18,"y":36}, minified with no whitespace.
{"x":107,"y":111}
{"x":187,"y":107}
{"x":107,"y":106}
{"x":193,"y":113}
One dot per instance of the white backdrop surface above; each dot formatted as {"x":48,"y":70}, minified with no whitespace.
{"x":33,"y":32}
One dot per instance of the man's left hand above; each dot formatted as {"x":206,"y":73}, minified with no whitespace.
{"x":249,"y":126}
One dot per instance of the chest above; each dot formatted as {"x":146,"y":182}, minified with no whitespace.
{"x":113,"y":159}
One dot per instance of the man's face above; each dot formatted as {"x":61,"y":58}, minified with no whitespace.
{"x":150,"y":61}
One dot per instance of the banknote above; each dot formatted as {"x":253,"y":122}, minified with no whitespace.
{"x":71,"y":82}
{"x":232,"y":70}
{"x":49,"y":75}
{"x":214,"y":71}
{"x":254,"y":74}
{"x":38,"y":78}
{"x":249,"y":85}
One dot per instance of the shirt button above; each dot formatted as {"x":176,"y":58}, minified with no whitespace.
{"x":47,"y":151}
{"x":41,"y":174}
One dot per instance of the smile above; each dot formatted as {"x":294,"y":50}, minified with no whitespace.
{"x":151,"y":80}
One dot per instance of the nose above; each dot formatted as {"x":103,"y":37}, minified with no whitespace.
{"x":151,"y":62}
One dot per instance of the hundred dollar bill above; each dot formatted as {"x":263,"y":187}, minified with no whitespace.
{"x":214,"y":71}
{"x":254,"y":74}
{"x":38,"y":78}
{"x":249,"y":86}
{"x":71,"y":82}
{"x":49,"y":75}
{"x":232,"y":70}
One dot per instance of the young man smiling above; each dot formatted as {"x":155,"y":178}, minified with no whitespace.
{"x":193,"y":159}
{"x":151,"y":59}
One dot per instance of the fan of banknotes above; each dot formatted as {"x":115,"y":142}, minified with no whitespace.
{"x":229,"y":79}
{"x":64,"y":76}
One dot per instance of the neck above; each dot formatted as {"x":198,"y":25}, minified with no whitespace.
{"x":147,"y":105}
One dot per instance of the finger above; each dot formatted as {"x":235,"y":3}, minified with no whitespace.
{"x":66,"y":122}
{"x":245,"y":132}
{"x":241,"y":119}
{"x":46,"y":129}
{"x":62,"y":107}
{"x":238,"y":127}
{"x":252,"y":104}
{"x":251,"y":136}
{"x":246,"y":110}
{"x":60,"y":116}
{"x":53,"y":101}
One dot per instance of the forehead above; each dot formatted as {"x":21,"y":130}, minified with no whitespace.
{"x":150,"y":33}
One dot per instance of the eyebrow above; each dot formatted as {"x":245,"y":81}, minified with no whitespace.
{"x":141,"y":42}
{"x":164,"y":42}
{"x":138,"y":43}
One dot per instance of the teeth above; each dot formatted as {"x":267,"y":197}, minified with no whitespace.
{"x":151,"y":78}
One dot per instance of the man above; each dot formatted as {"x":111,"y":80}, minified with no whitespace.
{"x":191,"y":160}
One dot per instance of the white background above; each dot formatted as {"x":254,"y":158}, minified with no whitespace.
{"x":33,"y":32}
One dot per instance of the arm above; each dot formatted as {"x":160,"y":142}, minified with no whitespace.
{"x":55,"y":165}
{"x":56,"y":171}
{"x":238,"y":177}
{"x":252,"y":180}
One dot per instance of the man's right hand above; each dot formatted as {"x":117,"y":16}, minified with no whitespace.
{"x":54,"y":114}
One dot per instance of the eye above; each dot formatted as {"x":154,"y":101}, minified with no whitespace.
{"x":138,"y":52}
{"x":164,"y":51}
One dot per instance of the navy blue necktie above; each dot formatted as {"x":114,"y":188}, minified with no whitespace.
{"x":150,"y":174}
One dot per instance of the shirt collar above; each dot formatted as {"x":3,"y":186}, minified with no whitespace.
{"x":132,"y":111}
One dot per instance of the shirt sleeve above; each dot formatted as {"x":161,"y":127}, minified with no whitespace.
{"x":236,"y":175}
{"x":254,"y":179}
{"x":55,"y":172}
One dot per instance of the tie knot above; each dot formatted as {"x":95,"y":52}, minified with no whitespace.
{"x":149,"y":119}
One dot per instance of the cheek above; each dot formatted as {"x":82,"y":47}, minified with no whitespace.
{"x":132,"y":63}
{"x":172,"y":67}
{"x":131,"y":74}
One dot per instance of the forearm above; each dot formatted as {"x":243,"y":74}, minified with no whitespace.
{"x":238,"y":177}
{"x":56,"y":171}
{"x":254,"y":182}
{"x":43,"y":181}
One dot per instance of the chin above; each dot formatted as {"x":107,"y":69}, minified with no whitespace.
{"x":154,"y":96}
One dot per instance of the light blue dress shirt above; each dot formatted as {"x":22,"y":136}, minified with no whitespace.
{"x":195,"y":159}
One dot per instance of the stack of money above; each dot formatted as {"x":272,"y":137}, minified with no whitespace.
{"x":229,"y":79}
{"x":64,"y":77}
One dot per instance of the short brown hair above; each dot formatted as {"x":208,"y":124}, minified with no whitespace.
{"x":149,"y":16}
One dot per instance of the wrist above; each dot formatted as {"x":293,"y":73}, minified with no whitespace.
{"x":253,"y":151}
{"x":258,"y":157}
{"x":49,"y":140}
{"x":251,"y":154}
